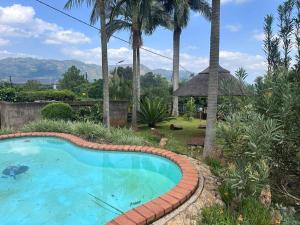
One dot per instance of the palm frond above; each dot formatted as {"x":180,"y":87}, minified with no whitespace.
{"x":77,"y":3}
{"x":202,"y":7}
{"x":117,"y":25}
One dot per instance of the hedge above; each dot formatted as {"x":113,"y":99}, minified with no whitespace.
{"x":48,"y":95}
{"x":12,"y":95}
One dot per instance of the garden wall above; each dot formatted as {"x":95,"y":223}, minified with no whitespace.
{"x":15,"y":115}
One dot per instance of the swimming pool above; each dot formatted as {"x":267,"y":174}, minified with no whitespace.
{"x":67,"y":184}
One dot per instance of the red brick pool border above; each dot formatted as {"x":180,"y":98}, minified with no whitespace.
{"x":150,"y":211}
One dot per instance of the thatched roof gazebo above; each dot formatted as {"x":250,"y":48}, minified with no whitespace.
{"x":198,"y":85}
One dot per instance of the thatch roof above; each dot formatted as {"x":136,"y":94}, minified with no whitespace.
{"x":198,"y":85}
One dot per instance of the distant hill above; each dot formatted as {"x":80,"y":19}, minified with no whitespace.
{"x":49,"y":71}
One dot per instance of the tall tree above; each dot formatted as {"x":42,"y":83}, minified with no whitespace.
{"x":180,"y":12}
{"x":72,"y":79}
{"x":271,"y":45}
{"x":286,"y":24}
{"x":297,"y":34}
{"x":213,"y":86}
{"x":99,"y":12}
{"x":138,"y":16}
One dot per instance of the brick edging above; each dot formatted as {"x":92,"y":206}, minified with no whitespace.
{"x":150,"y":211}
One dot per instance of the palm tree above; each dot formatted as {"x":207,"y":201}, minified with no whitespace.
{"x":180,"y":12}
{"x":137,"y":16}
{"x":98,"y":12}
{"x":213,"y":80}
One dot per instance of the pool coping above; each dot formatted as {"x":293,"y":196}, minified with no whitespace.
{"x":154,"y":209}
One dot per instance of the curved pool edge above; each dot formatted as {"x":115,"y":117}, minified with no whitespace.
{"x":152,"y":210}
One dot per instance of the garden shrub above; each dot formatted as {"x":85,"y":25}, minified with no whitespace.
{"x":90,"y":113}
{"x":8,"y":94}
{"x":278,"y":96}
{"x":152,"y":111}
{"x":247,"y":179}
{"x":57,"y":111}
{"x":190,"y":109}
{"x":46,"y":95}
{"x":247,"y":139}
{"x":288,"y":215}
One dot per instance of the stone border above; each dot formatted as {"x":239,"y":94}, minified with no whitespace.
{"x":150,"y":211}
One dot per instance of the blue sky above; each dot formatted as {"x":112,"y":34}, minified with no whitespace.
{"x":30,"y":29}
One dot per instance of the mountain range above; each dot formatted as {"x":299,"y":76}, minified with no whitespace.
{"x":48,"y":71}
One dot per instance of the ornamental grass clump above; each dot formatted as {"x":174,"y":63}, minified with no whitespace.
{"x":45,"y":125}
{"x":87,"y":130}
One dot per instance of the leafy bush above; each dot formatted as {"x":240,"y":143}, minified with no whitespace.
{"x":47,"y":95}
{"x":288,"y":214}
{"x":248,"y":135}
{"x":91,"y":113}
{"x":247,"y":139}
{"x":57,"y":111}
{"x":152,"y":111}
{"x":278,"y":96}
{"x":247,"y":179}
{"x":190,"y":109}
{"x":8,"y":94}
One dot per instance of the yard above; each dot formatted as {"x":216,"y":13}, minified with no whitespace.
{"x":178,"y":140}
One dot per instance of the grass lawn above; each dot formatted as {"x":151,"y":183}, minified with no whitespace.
{"x":177,"y":139}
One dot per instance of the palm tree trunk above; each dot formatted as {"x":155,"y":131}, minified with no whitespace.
{"x":135,"y":45}
{"x":134,"y":89}
{"x":138,"y":71}
{"x":213,"y":80}
{"x":106,"y":118}
{"x":176,"y":58}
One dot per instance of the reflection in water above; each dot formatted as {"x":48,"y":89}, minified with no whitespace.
{"x":63,"y":178}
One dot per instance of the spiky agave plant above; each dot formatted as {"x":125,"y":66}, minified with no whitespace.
{"x":152,"y":111}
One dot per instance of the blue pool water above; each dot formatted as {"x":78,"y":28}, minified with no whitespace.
{"x":66,"y":184}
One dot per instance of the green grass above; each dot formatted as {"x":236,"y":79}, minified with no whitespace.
{"x":177,"y":139}
{"x":250,"y":212}
{"x":215,"y":166}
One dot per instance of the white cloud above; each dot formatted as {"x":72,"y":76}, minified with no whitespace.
{"x":16,"y":14}
{"x":7,"y":54}
{"x":4,"y":42}
{"x":67,"y":36}
{"x":234,"y":1}
{"x":20,"y":21}
{"x":233,"y":27}
{"x":259,"y":36}
{"x":254,"y":64}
